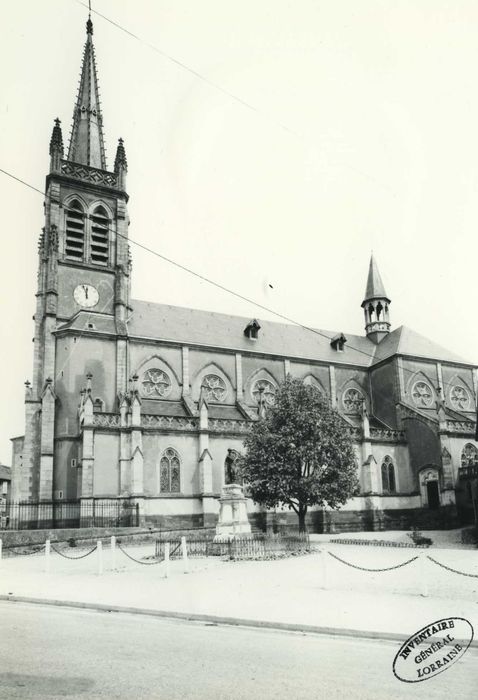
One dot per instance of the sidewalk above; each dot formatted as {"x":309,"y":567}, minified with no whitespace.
{"x":286,"y":592}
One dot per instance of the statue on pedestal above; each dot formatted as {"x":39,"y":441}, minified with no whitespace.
{"x":233,"y":520}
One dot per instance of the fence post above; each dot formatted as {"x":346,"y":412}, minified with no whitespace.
{"x":325,"y":577}
{"x":113,"y":552}
{"x":423,"y":575}
{"x":47,"y":556}
{"x":99,"y":546}
{"x":184,"y":551}
{"x":166,"y":559}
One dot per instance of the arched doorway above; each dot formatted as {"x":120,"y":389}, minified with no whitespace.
{"x":430,"y":487}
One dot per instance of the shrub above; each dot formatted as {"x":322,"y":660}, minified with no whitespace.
{"x":417,"y":537}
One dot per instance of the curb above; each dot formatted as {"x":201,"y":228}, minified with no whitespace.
{"x":217,"y":619}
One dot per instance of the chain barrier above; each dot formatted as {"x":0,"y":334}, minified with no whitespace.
{"x":448,"y":568}
{"x":66,"y":556}
{"x":363,"y":568}
{"x":138,"y":561}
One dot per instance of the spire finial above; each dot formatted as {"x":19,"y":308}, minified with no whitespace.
{"x":89,"y":24}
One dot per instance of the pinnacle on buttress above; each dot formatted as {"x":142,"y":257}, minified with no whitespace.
{"x":376,"y":305}
{"x":86,"y":142}
{"x":56,"y":147}
{"x":121,"y":165}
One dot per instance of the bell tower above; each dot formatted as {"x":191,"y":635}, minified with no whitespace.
{"x":376,"y":305}
{"x":83,"y":275}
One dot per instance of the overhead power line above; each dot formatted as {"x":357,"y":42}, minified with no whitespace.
{"x":222,"y":287}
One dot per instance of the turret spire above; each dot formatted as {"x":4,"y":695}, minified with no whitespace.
{"x":86,"y":143}
{"x":376,"y":305}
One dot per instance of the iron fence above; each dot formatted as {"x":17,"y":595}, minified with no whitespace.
{"x":256,"y":546}
{"x":92,"y":512}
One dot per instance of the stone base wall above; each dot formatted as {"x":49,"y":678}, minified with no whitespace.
{"x":178,"y":522}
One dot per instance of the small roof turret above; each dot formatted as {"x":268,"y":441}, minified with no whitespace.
{"x":376,"y":305}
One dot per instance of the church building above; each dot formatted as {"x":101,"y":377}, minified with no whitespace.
{"x":147,"y":402}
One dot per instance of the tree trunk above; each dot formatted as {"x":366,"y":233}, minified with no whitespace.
{"x":302,"y":513}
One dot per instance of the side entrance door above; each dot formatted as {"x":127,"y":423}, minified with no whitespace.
{"x":433,"y":495}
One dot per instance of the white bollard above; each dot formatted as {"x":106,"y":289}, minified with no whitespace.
{"x":47,"y":556}
{"x":0,"y":550}
{"x":423,"y":575}
{"x":166,"y":559}
{"x":113,"y":552}
{"x":325,"y":577}
{"x":99,"y":549}
{"x":184,"y":551}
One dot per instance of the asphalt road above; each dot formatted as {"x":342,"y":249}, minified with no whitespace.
{"x":49,"y":652}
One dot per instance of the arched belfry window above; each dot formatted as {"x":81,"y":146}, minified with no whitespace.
{"x":169,"y":472}
{"x":388,"y":476}
{"x":99,"y":240}
{"x":75,"y":231}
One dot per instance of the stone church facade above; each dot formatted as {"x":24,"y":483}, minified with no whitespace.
{"x":140,"y":400}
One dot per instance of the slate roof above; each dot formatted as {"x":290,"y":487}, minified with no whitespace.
{"x":180,"y":324}
{"x":405,"y":341}
{"x":208,"y":328}
{"x":194,"y":326}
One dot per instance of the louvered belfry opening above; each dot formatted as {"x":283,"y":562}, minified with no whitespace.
{"x":75,"y":232}
{"x":99,"y":237}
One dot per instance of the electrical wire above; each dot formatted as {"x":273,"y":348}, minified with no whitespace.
{"x":214,"y":283}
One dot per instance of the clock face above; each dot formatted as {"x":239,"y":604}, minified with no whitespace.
{"x":86,"y":295}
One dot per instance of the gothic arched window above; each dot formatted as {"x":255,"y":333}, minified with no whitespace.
{"x":99,"y":239}
{"x":388,"y":476}
{"x":353,"y":400}
{"x":156,"y":383}
{"x":459,"y":398}
{"x":266,"y":388}
{"x":422,"y":394}
{"x":169,"y":472}
{"x":214,"y":388}
{"x":469,"y":455}
{"x":75,"y":231}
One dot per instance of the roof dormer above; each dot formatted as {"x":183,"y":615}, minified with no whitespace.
{"x":252,"y":329}
{"x":338,"y":342}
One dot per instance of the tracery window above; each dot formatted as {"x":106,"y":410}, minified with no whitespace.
{"x":214,"y":388}
{"x":156,"y":383}
{"x":469,"y":455}
{"x":169,"y":472}
{"x":353,"y":400}
{"x":99,"y":236}
{"x":267,"y":389}
{"x":75,"y":231}
{"x":459,"y":398}
{"x":422,"y":394}
{"x":388,"y":476}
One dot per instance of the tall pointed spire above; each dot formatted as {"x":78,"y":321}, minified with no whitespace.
{"x":86,"y":143}
{"x":376,"y":305}
{"x":375,"y":288}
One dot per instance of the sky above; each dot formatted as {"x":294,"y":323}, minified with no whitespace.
{"x":271,"y":145}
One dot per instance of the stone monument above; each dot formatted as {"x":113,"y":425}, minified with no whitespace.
{"x":233,"y":518}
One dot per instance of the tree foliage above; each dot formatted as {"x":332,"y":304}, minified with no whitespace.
{"x":300,"y":454}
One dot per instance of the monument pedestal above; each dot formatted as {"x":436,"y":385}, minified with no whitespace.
{"x":233,"y":518}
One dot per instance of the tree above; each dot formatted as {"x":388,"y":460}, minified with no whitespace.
{"x":300,"y":454}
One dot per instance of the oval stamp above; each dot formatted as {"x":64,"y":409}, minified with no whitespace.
{"x":433,"y":649}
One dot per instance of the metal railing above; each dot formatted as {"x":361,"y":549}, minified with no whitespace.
{"x":94,"y":512}
{"x":256,"y":546}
